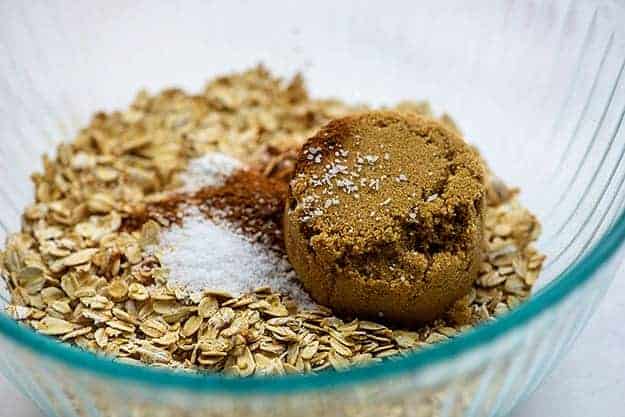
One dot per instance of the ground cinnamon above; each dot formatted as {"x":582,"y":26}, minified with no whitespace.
{"x":247,"y":199}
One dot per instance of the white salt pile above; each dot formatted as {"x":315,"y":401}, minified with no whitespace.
{"x":204,"y":254}
{"x":211,"y":170}
{"x":214,"y":254}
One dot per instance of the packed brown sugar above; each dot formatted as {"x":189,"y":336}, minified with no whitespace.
{"x":385,"y":217}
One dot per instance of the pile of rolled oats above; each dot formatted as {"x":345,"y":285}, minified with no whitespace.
{"x":75,"y":273}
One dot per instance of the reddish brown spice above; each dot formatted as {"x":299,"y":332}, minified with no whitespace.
{"x":247,"y":199}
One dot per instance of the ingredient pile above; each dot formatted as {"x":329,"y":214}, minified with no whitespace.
{"x":156,"y":235}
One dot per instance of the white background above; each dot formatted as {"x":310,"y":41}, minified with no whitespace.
{"x":589,"y":382}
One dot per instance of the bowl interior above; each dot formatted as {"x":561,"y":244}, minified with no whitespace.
{"x":537,"y":86}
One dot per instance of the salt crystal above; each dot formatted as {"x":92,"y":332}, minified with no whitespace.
{"x":331,"y":202}
{"x":371,"y":159}
{"x":206,"y":254}
{"x":211,"y":170}
{"x":347,"y":185}
{"x":432,"y":198}
{"x":374,"y":184}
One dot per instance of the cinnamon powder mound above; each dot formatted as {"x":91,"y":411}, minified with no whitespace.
{"x":225,"y":238}
{"x":247,"y":199}
{"x":253,"y":202}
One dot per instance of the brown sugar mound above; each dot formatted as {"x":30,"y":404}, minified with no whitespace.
{"x":384,"y":216}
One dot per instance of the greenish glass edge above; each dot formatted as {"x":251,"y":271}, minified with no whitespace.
{"x":548,"y":298}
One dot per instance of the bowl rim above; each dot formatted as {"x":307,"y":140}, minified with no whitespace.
{"x":549,"y":297}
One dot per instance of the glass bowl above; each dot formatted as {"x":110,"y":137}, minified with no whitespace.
{"x":537,"y":86}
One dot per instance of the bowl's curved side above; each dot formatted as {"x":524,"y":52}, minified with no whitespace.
{"x":489,"y":380}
